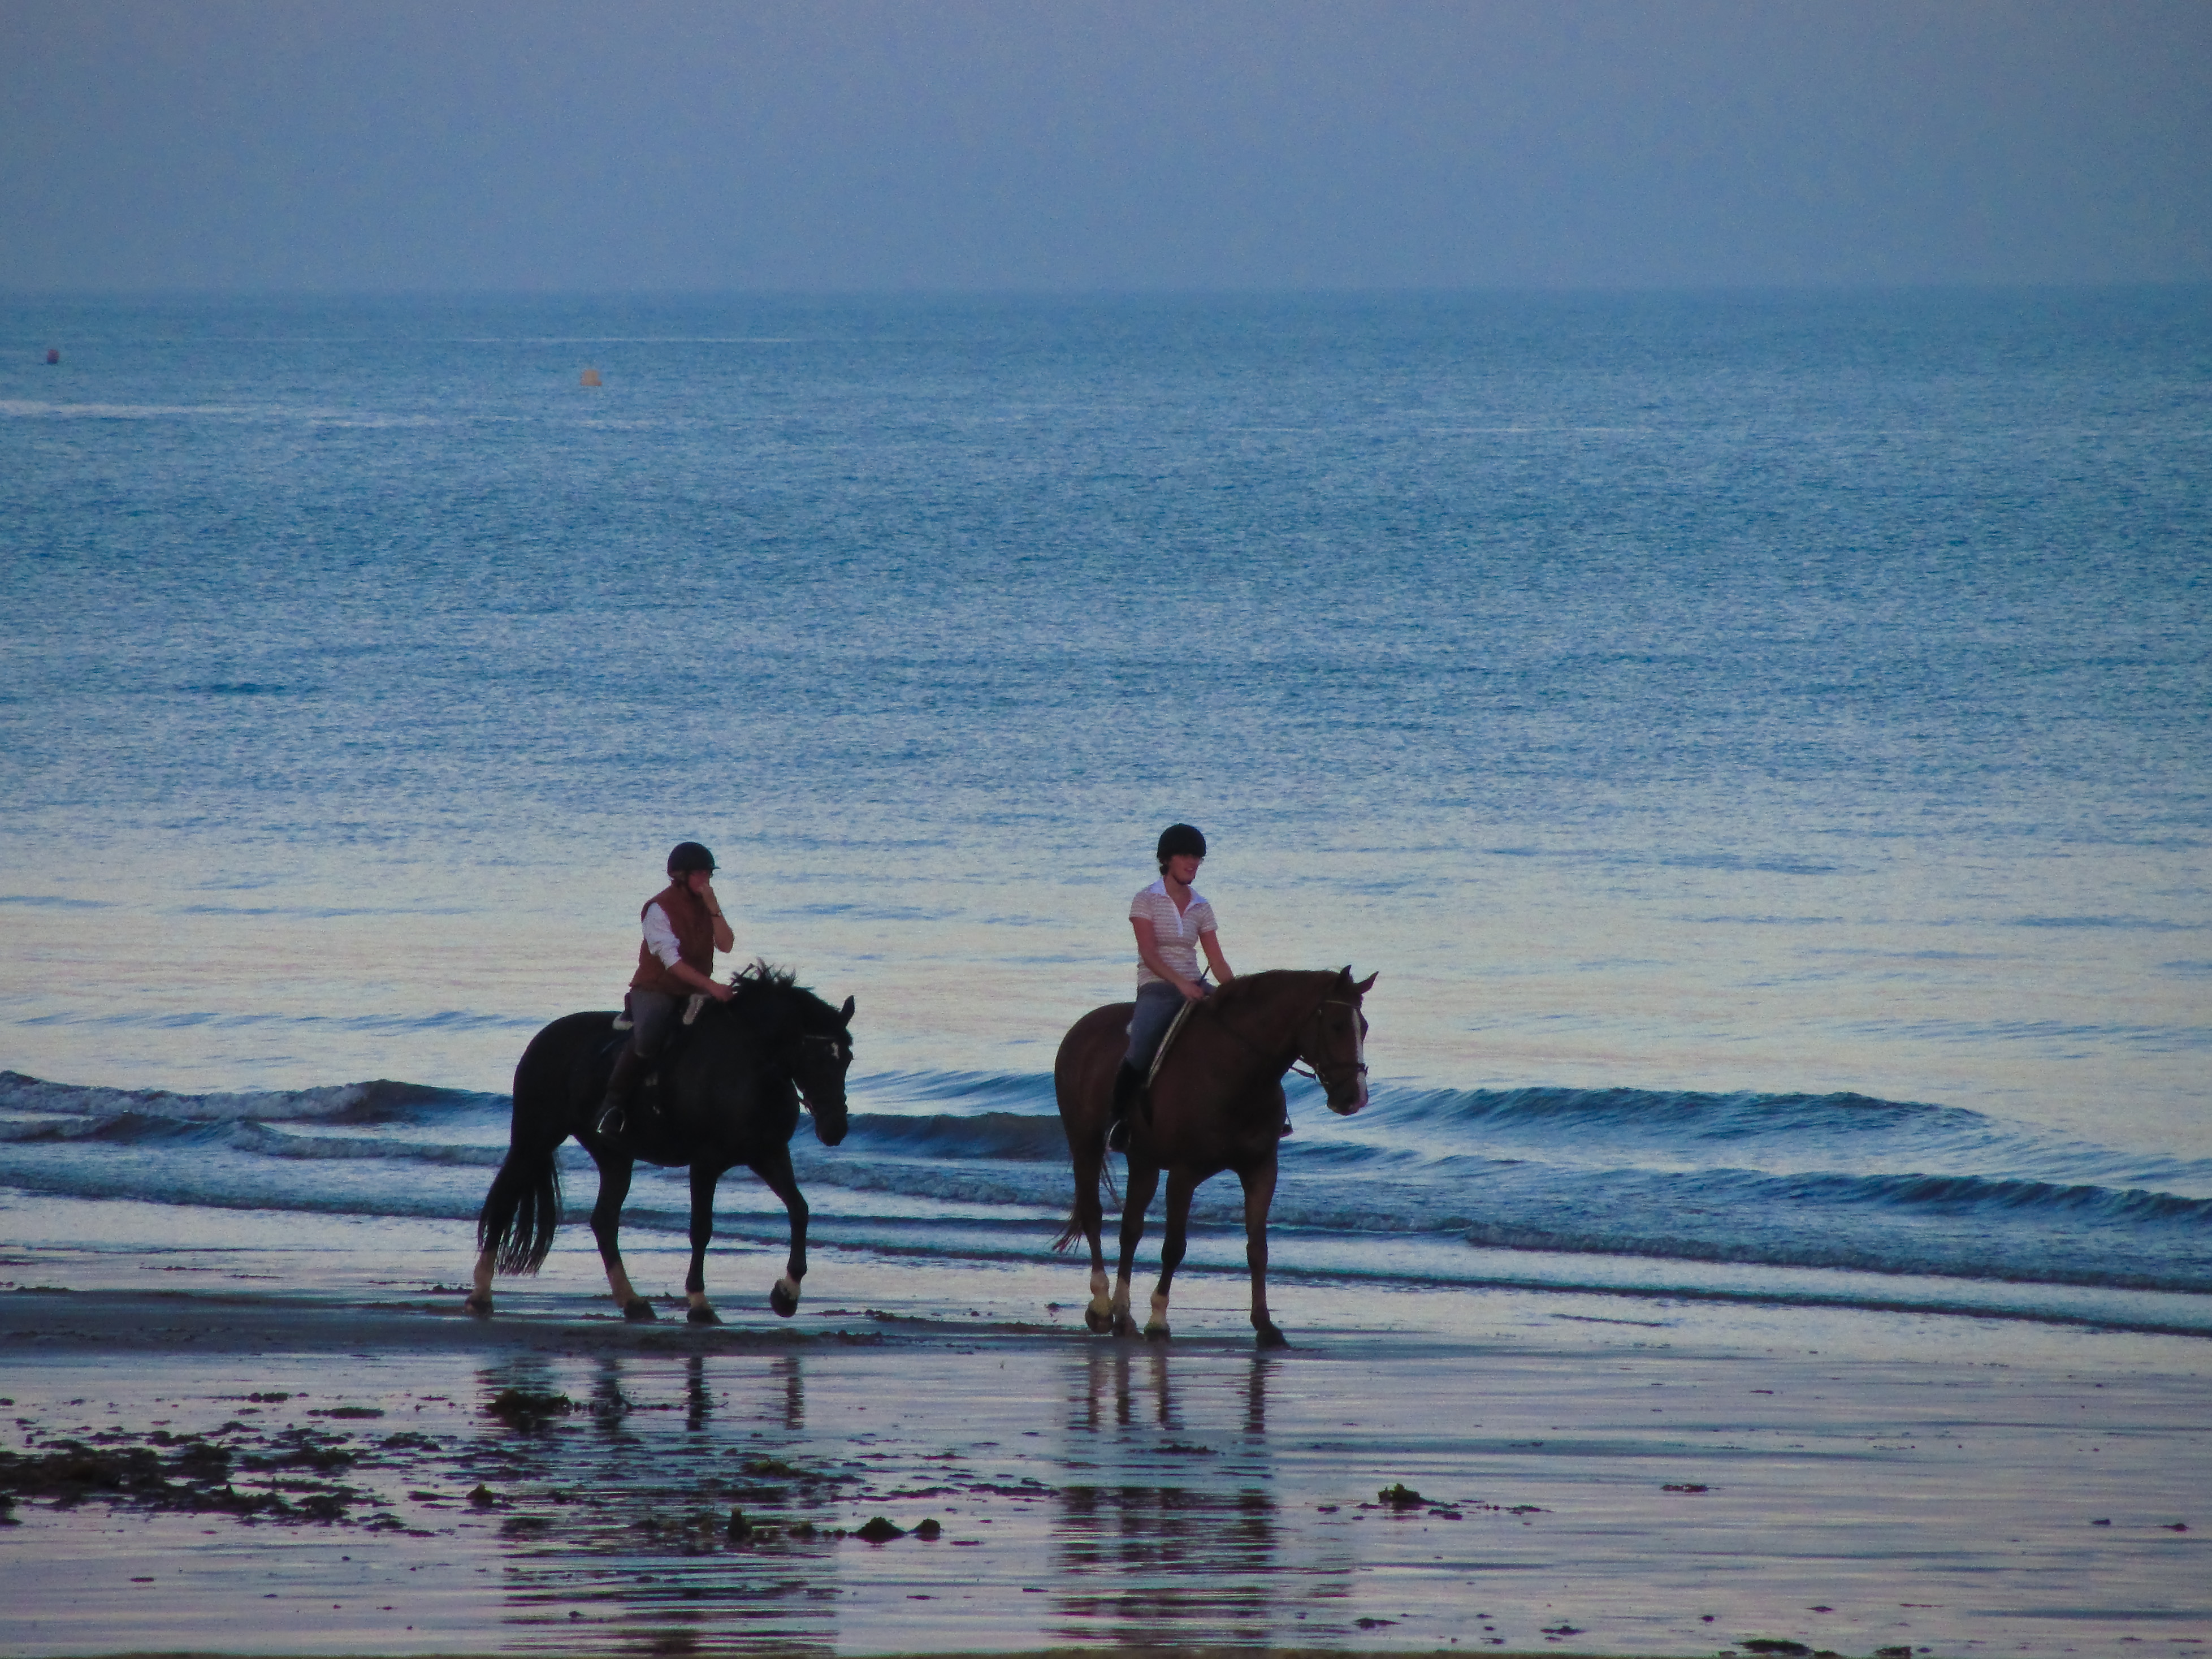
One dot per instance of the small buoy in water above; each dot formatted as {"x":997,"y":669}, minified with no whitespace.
{"x":53,"y":354}
{"x":590,"y":377}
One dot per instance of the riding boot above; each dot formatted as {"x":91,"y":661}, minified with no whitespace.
{"x":614,"y":1112}
{"x":1126,"y":1081}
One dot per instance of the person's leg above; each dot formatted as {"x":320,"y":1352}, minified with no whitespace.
{"x":1155,"y":1011}
{"x":651,"y":1016}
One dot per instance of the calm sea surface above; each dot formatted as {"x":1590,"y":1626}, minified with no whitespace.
{"x":1764,"y":744}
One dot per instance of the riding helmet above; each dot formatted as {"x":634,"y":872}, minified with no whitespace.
{"x":1180,"y":838}
{"x":689,"y":855}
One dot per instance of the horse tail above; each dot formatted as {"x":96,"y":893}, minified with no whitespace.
{"x":1070,"y":1233}
{"x":1073,"y":1230}
{"x":521,"y":1211}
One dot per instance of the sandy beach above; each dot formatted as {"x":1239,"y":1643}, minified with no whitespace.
{"x":361,"y":1468}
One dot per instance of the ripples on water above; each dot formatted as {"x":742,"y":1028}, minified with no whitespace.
{"x":1841,"y":1199}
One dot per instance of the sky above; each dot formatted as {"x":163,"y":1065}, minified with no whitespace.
{"x":992,"y":145}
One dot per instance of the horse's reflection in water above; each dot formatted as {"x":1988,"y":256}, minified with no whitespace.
{"x":610,"y":1406}
{"x":610,"y":1519}
{"x":793,"y":1374}
{"x":1178,"y":1537}
{"x":698,"y":1398}
{"x":785,"y":1387}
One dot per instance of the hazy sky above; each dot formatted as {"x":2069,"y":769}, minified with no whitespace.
{"x":1057,"y":144}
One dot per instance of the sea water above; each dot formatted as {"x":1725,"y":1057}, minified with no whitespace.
{"x":1762,"y":741}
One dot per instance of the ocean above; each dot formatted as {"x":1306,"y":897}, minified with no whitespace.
{"x":1763,"y":742}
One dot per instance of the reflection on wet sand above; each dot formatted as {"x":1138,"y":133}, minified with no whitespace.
{"x":698,"y":1401}
{"x":1632,"y":1498}
{"x":624,"y":1537}
{"x":1180,"y":1539}
{"x":793,"y":1374}
{"x":1155,"y":1518}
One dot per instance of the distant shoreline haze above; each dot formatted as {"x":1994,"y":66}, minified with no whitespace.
{"x":1104,"y":145}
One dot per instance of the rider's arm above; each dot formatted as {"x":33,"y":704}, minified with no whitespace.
{"x":1210,"y":942}
{"x":660,"y":936}
{"x":660,"y":939}
{"x":699,"y":982}
{"x":1148,"y":952}
{"x":725,"y":940}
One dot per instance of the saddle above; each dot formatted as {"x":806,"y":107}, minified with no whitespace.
{"x":623,"y":1021}
{"x":623,"y":1024}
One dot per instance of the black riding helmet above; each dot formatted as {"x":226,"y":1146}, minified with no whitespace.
{"x":1180,"y":838}
{"x":688,"y":856}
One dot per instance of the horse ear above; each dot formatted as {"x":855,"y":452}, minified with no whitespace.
{"x":1366,"y":985}
{"x":846,"y":1016}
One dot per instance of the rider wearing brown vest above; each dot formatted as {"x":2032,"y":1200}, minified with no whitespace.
{"x":683,"y":927}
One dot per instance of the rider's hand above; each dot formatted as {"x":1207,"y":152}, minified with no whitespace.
{"x":720,"y":992}
{"x":1191,"y":989}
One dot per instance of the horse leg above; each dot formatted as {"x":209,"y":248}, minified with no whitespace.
{"x":1091,"y":1220}
{"x":703,"y":1178}
{"x":775,"y":1168}
{"x":1259,"y":1194}
{"x":479,"y":1302}
{"x":1144,"y":1180}
{"x":1181,"y":1185}
{"x":606,"y":1224}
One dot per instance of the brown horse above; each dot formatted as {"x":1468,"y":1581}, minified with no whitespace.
{"x":1215,"y":1104}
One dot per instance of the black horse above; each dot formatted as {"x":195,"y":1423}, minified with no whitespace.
{"x":728,"y":1092}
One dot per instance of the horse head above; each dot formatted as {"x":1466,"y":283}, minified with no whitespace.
{"x":1334,"y":1044}
{"x":823,"y":1054}
{"x":811,"y":1042}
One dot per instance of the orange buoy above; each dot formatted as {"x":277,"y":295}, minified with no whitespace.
{"x":53,"y":354}
{"x":590,"y":377}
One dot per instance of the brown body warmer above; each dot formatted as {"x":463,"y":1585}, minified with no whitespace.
{"x":688,"y":914}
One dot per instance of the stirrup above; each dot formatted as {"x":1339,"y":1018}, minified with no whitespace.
{"x":1117,"y":1135}
{"x":612,"y":1121}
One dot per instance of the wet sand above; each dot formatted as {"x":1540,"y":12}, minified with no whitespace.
{"x":361,"y":1469}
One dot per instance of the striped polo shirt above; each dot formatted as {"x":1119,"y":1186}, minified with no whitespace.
{"x":1175,"y":930}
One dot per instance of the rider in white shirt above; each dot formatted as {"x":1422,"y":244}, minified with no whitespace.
{"x":1173,"y":923}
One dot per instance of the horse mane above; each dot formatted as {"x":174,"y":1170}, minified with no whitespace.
{"x":760,"y":983}
{"x":761,"y":972}
{"x":1246,"y":985}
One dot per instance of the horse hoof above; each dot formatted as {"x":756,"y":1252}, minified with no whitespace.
{"x":782,"y":1301}
{"x":639,"y":1312}
{"x":1269,"y":1337}
{"x":1099,"y":1323}
{"x":1156,"y":1333}
{"x":1122,"y":1325}
{"x":701,"y":1315}
{"x":479,"y":1306}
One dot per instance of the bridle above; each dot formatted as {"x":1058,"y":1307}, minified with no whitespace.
{"x":827,"y":1041}
{"x":1328,"y":1080}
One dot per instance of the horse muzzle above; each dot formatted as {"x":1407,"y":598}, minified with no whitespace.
{"x":830,"y":1121}
{"x":1357,"y":1091}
